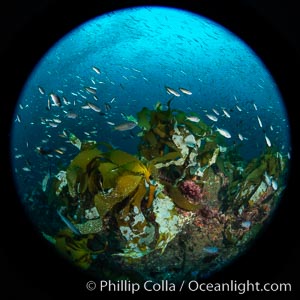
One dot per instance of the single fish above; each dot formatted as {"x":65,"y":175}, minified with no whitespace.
{"x":57,"y":121}
{"x":68,"y":223}
{"x":84,"y":97}
{"x":59,"y":151}
{"x":268,"y":141}
{"x":268,"y":179}
{"x":238,"y":108}
{"x":193,"y":119}
{"x":212,"y":117}
{"x":171,"y":91}
{"x":52,"y":124}
{"x":254,"y":105}
{"x":94,"y":107}
{"x":91,"y":90}
{"x":26,"y":169}
{"x":18,"y":119}
{"x":125,"y":126}
{"x":65,"y":101}
{"x":215,"y":111}
{"x":45,"y":182}
{"x":259,"y":121}
{"x":97,"y":70}
{"x":41,"y":90}
{"x":136,"y":70}
{"x":226,"y":113}
{"x":71,"y":115}
{"x":55,"y":99}
{"x":224,"y":132}
{"x":185,"y":91}
{"x":240,"y":137}
{"x":274,"y":185}
{"x":107,"y":106}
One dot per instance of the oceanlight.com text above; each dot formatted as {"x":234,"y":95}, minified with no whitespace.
{"x":193,"y":286}
{"x":239,"y":287}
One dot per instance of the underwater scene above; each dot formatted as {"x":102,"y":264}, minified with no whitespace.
{"x":150,"y":143}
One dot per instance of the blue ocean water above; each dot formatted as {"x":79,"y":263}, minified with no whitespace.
{"x":130,"y":57}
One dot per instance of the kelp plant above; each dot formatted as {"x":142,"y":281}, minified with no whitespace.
{"x":139,"y":203}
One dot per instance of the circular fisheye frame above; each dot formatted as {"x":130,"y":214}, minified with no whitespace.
{"x":150,"y":144}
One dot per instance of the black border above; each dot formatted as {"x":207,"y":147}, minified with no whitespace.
{"x":30,"y":28}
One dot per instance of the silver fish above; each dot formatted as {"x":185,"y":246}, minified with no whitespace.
{"x":26,"y":169}
{"x":97,"y":70}
{"x":254,"y":105}
{"x":212,"y":117}
{"x":268,"y":141}
{"x":55,"y":99}
{"x":274,"y":185}
{"x":94,"y":107}
{"x":224,"y":132}
{"x":215,"y":111}
{"x":48,"y":104}
{"x":68,"y":223}
{"x":268,"y":179}
{"x":71,"y":115}
{"x":226,"y":113}
{"x":193,"y":119}
{"x":259,"y":121}
{"x":238,"y":108}
{"x":18,"y":119}
{"x":185,"y":91}
{"x":59,"y":151}
{"x":65,"y":101}
{"x":171,"y":91}
{"x":91,"y":90}
{"x":41,"y":90}
{"x":45,"y":182}
{"x":52,"y":124}
{"x":125,"y":126}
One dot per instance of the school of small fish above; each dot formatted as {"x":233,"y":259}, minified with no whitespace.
{"x":62,"y":108}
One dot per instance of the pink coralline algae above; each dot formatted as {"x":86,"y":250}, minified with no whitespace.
{"x":191,"y":190}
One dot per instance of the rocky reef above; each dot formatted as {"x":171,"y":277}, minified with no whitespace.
{"x":181,"y":207}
